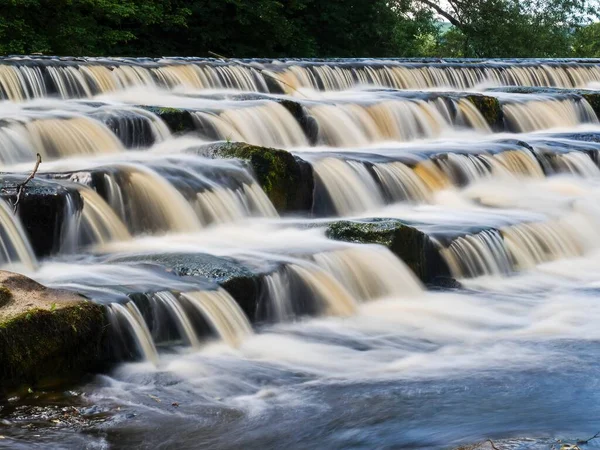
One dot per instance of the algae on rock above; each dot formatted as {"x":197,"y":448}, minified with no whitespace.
{"x":46,"y":333}
{"x":286,"y":179}
{"x":490,"y":109}
{"x":411,"y":245}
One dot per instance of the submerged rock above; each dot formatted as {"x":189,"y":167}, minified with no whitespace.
{"x":412,"y":246}
{"x":241,"y":280}
{"x":287,"y":180}
{"x":46,"y":333}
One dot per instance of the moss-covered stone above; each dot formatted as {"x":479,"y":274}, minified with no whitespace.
{"x":414,"y":247}
{"x":490,"y":109}
{"x":287,"y":180}
{"x":178,"y":120}
{"x":5,"y":296}
{"x":46,"y":333}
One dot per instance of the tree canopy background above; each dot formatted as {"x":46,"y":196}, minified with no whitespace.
{"x":301,"y":28}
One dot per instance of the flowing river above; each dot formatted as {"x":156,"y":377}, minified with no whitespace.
{"x":242,"y":311}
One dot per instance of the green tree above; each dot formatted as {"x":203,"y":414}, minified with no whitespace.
{"x":513,"y":28}
{"x":586,"y":41}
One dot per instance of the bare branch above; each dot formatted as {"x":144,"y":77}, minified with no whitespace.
{"x":21,"y":187}
{"x":596,"y":436}
{"x":493,"y":445}
{"x":453,"y":20}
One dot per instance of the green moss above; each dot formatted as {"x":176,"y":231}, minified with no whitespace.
{"x":178,"y":120}
{"x":5,"y":295}
{"x":412,"y":246}
{"x":490,"y":109}
{"x":287,"y":181}
{"x":41,"y":344}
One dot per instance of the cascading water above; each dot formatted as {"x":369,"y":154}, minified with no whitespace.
{"x":224,"y":273}
{"x":14,"y":246}
{"x":349,"y":125}
{"x":532,"y":115}
{"x":269,"y":125}
{"x":22,"y":79}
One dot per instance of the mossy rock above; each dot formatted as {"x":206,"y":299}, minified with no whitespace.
{"x":412,"y":246}
{"x":287,"y":180}
{"x":46,"y":333}
{"x":177,"y":119}
{"x":490,"y":108}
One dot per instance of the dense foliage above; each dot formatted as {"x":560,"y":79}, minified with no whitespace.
{"x":302,"y":28}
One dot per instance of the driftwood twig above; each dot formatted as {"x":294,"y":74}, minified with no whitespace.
{"x":21,"y":186}
{"x":596,"y":436}
{"x":493,"y":445}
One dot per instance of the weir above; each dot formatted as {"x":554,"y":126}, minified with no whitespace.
{"x":26,"y":78}
{"x":191,"y":197}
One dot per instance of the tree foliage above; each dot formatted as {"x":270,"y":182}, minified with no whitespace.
{"x":300,"y":28}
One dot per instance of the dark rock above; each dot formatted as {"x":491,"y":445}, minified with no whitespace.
{"x":241,"y":280}
{"x":42,"y":210}
{"x":178,"y":120}
{"x":287,"y":180}
{"x":490,"y":109}
{"x":412,"y":246}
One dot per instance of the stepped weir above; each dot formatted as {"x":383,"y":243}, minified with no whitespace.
{"x":306,"y":220}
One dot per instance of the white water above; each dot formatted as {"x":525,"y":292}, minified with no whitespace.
{"x":342,"y":330}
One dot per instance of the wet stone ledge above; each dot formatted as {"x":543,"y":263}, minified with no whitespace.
{"x":287,"y":180}
{"x":415,"y":248}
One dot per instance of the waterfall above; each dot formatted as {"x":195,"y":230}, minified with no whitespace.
{"x":223,"y":315}
{"x":370,"y":273}
{"x":336,"y":282}
{"x":149,"y":203}
{"x":534,"y":115}
{"x":14,"y":245}
{"x":129,"y":318}
{"x":401,"y":183}
{"x":54,"y":138}
{"x":221,"y":205}
{"x":517,"y":247}
{"x":467,"y":168}
{"x":28,"y":78}
{"x":179,"y":316}
{"x":269,"y":124}
{"x":398,"y":75}
{"x":332,"y":296}
{"x":352,"y":125}
{"x":348,"y":184}
{"x":98,"y":223}
{"x":135,"y":127}
{"x":217,"y":309}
